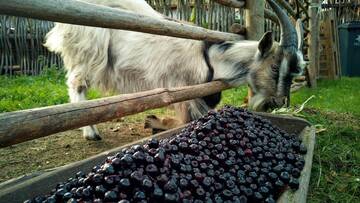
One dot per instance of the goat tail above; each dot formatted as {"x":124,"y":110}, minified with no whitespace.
{"x":53,"y":40}
{"x":84,"y":50}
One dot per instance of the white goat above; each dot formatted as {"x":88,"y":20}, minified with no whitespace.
{"x":126,"y":61}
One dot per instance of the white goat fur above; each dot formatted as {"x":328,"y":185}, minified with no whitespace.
{"x":125,"y":61}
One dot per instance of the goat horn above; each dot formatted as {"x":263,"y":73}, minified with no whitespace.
{"x":300,"y":33}
{"x":288,"y":33}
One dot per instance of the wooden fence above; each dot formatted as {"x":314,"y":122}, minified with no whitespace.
{"x":21,"y":47}
{"x":346,"y":10}
{"x":22,"y":38}
{"x":20,"y":126}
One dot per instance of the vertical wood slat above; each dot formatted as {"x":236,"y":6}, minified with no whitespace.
{"x":2,"y":45}
{"x":21,"y":45}
{"x":329,"y":57}
{"x":10,"y":48}
{"x":18,"y":44}
{"x":254,"y":19}
{"x":314,"y":41}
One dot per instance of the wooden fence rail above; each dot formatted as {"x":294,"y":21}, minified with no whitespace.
{"x":287,"y":7}
{"x":82,"y":13}
{"x":232,"y":3}
{"x":21,"y":126}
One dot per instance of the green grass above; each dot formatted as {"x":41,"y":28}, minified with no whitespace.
{"x":336,"y":165}
{"x":24,"y":92}
{"x":342,"y":96}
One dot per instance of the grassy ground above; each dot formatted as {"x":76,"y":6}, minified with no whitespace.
{"x":336,"y":167}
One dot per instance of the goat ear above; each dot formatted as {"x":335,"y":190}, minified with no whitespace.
{"x":265,"y":43}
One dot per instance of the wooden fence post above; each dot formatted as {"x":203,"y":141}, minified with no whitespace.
{"x":255,"y":21}
{"x":255,"y":25}
{"x":314,"y":41}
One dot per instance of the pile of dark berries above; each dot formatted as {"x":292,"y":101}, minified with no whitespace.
{"x":227,"y":156}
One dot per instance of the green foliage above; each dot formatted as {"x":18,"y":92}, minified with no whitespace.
{"x":193,"y":15}
{"x":25,"y":92}
{"x":234,"y":96}
{"x":336,"y":163}
{"x":336,"y":96}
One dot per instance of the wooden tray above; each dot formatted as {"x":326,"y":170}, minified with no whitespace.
{"x":28,"y":186}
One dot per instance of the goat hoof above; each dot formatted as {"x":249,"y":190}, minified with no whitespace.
{"x":156,"y":131}
{"x":93,"y":137}
{"x":152,"y":117}
{"x":91,"y":133}
{"x":149,"y":121}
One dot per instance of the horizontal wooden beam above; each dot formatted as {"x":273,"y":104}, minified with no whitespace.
{"x":287,"y":7}
{"x":82,"y":13}
{"x":231,"y":3}
{"x":238,"y":29}
{"x":341,"y":4}
{"x":271,"y":15}
{"x":20,"y":126}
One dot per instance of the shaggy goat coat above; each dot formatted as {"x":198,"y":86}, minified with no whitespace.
{"x":126,"y":62}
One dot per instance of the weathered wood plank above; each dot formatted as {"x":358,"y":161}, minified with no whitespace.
{"x":314,"y":41}
{"x":231,"y":3}
{"x":287,"y":7}
{"x":255,"y":21}
{"x":271,"y":15}
{"x":20,"y":126}
{"x":82,"y":13}
{"x":329,"y":59}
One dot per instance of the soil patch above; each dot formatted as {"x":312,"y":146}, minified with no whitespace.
{"x":66,"y":147}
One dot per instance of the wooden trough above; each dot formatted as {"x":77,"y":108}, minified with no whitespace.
{"x":25,"y":187}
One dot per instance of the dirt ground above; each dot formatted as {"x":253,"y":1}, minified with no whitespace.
{"x":66,"y":147}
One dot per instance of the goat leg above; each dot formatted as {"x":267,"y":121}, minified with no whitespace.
{"x":77,"y":89}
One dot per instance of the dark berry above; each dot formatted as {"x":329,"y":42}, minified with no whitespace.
{"x":170,"y":186}
{"x":110,"y":196}
{"x":169,"y":197}
{"x":157,"y":193}
{"x":124,"y":183}
{"x":139,"y":195}
{"x":302,"y":149}
{"x":285,"y":177}
{"x":294,"y":183}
